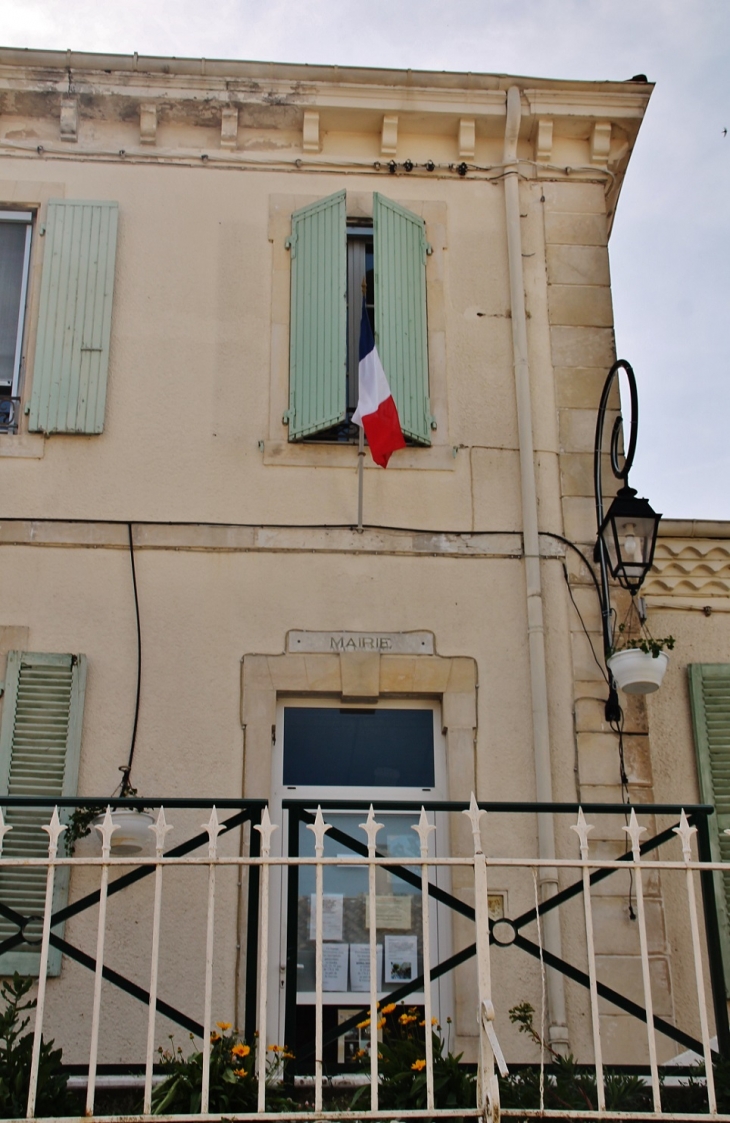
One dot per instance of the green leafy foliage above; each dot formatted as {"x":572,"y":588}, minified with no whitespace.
{"x":634,"y":634}
{"x":233,"y":1080}
{"x":16,"y":1048}
{"x":402,"y":1065}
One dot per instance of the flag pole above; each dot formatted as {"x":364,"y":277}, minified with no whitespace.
{"x":361,"y":446}
{"x":360,"y":473}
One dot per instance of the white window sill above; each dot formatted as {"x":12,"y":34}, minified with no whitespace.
{"x":439,"y":458}
{"x":29,"y":445}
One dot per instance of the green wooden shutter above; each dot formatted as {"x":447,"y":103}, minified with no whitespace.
{"x":709,"y":687}
{"x":318,"y":331}
{"x":40,"y":742}
{"x":400,"y":246}
{"x":74,"y":319}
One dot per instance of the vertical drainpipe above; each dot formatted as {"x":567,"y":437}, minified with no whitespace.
{"x":548,"y":876}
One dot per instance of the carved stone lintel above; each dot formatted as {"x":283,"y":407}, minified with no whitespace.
{"x":544,"y":141}
{"x":389,"y":136}
{"x":467,"y":138}
{"x":148,"y":124}
{"x":229,"y":126}
{"x":69,"y":119}
{"x":600,"y":143}
{"x":310,"y":131}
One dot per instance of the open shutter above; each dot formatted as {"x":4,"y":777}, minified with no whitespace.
{"x":74,"y":319}
{"x":400,"y":246}
{"x":318,"y":340}
{"x":40,"y":741}
{"x":709,"y":685}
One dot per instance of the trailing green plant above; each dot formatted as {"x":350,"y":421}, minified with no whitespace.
{"x":233,"y":1080}
{"x":16,"y":1049}
{"x":79,"y":826}
{"x":565,"y":1085}
{"x":624,"y":640}
{"x":402,"y":1064}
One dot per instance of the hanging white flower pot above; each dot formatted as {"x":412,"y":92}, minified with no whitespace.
{"x":636,"y":671}
{"x":132,"y":835}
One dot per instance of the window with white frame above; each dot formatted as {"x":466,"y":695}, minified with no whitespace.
{"x":15,"y":235}
{"x":330,"y":257}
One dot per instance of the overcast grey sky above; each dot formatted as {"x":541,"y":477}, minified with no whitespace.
{"x":670,"y":248}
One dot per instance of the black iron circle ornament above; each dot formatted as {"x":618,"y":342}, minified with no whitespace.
{"x":627,"y":532}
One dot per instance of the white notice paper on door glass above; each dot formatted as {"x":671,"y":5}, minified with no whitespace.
{"x":360,"y":967}
{"x":331,"y":916}
{"x":401,"y":958}
{"x":334,"y":966}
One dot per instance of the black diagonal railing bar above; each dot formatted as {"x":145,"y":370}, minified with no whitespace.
{"x":124,"y":881}
{"x":610,"y":995}
{"x":576,"y":888}
{"x":393,"y":996}
{"x":245,"y":810}
{"x":126,"y":985}
{"x":401,"y":872}
{"x":695,"y":814}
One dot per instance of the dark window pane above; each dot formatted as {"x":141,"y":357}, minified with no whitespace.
{"x":346,"y":748}
{"x":12,"y":256}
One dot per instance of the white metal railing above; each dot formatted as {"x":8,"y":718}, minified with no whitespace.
{"x":490,"y":1056}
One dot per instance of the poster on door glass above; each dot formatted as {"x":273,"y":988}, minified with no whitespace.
{"x":401,"y":958}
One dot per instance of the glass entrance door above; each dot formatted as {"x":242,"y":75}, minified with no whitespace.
{"x":392,"y":752}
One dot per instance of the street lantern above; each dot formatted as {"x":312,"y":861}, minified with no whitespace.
{"x":629,"y":533}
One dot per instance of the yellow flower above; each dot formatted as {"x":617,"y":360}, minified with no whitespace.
{"x":360,"y":1053}
{"x":240,"y":1050}
{"x":223,"y":1025}
{"x":288,"y":1056}
{"x":434,"y":1021}
{"x":274,"y":1048}
{"x":215,"y":1036}
{"x":406,"y":1019}
{"x":381,"y":1023}
{"x":389,"y":1008}
{"x":363,"y":1025}
{"x":239,"y":1072}
{"x":418,"y":1066}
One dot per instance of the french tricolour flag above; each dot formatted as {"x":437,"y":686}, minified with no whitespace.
{"x":376,"y":412}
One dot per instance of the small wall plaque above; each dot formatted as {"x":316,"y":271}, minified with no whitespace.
{"x":381,"y":643}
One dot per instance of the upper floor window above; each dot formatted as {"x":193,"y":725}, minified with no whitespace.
{"x":15,"y":231}
{"x":329,"y":259}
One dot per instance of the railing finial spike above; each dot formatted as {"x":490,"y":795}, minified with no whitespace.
{"x":106,"y":830}
{"x":214,"y":828}
{"x":634,"y":831}
{"x":474,"y":815}
{"x":371,"y":829}
{"x":685,"y":832}
{"x":318,"y":828}
{"x":582,"y":829}
{"x":54,"y":830}
{"x":160,"y":829}
{"x":265,"y":828}
{"x":3,"y":831}
{"x":423,"y":829}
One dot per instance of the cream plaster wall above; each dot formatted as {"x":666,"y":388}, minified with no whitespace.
{"x":197,"y":386}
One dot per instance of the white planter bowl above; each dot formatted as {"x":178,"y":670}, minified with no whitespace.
{"x":132,"y":835}
{"x":637,"y":672}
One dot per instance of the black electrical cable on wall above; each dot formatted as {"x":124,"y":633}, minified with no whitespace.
{"x":126,"y":769}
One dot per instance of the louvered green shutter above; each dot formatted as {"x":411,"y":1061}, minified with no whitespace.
{"x":74,"y":319}
{"x":318,"y":331}
{"x":40,"y":741}
{"x":399,"y":238}
{"x":709,"y":687}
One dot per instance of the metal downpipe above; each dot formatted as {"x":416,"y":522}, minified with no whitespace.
{"x":548,"y":876}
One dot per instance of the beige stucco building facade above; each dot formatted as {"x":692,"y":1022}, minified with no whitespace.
{"x":245,"y":540}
